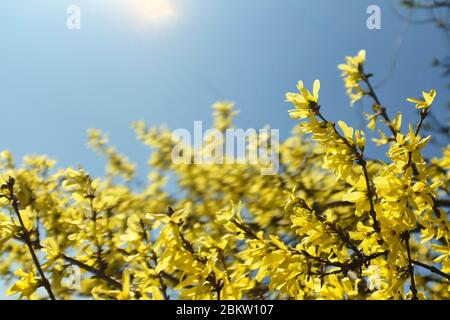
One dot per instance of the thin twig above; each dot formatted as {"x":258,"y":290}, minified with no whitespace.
{"x":406,"y":237}
{"x":97,"y":273}
{"x":155,"y":260}
{"x":431,"y":269}
{"x":26,"y":236}
{"x":362,"y":162}
{"x":383,"y":111}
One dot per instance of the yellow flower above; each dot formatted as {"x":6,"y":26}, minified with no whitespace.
{"x":26,"y":286}
{"x":7,"y":229}
{"x":428,"y":98}
{"x":51,"y":248}
{"x":124,"y":294}
{"x":223,"y":115}
{"x":306,"y":103}
{"x":352,"y":71}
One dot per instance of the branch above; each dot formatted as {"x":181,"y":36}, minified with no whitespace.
{"x":406,"y":237}
{"x":154,"y":259}
{"x":362,"y":162}
{"x":26,"y":236}
{"x":431,"y":269}
{"x":442,"y":203}
{"x":352,"y":265}
{"x":99,"y":274}
{"x":188,"y":246}
{"x":336,"y":204}
{"x":383,"y":111}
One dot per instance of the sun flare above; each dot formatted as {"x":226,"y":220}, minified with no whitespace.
{"x":153,"y":11}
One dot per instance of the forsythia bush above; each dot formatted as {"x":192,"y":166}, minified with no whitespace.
{"x":332,"y":224}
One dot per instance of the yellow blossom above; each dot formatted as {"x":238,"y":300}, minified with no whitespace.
{"x":428,"y":98}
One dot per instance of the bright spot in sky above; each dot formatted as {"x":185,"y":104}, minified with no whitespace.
{"x":153,"y":11}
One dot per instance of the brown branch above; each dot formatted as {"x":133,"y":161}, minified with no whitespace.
{"x":370,"y":194}
{"x":94,"y":216}
{"x":433,"y":5}
{"x":353,"y":265}
{"x":383,"y":111}
{"x":362,"y":162}
{"x":442,"y":203}
{"x":155,"y":260}
{"x":27,"y":239}
{"x":336,"y":204}
{"x":423,"y":115}
{"x":188,"y":246}
{"x":97,"y":273}
{"x":413,"y":287}
{"x":431,"y":269}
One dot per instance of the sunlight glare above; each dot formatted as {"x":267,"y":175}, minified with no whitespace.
{"x":153,"y":11}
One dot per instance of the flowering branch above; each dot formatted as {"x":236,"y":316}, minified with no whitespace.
{"x":26,"y":235}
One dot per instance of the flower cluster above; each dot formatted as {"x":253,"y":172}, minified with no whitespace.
{"x":353,"y":74}
{"x":331,"y":224}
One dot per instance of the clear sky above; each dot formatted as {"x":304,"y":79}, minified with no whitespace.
{"x":167,"y":61}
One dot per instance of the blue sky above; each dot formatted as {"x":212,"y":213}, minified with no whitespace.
{"x":56,"y":83}
{"x":129,"y":62}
